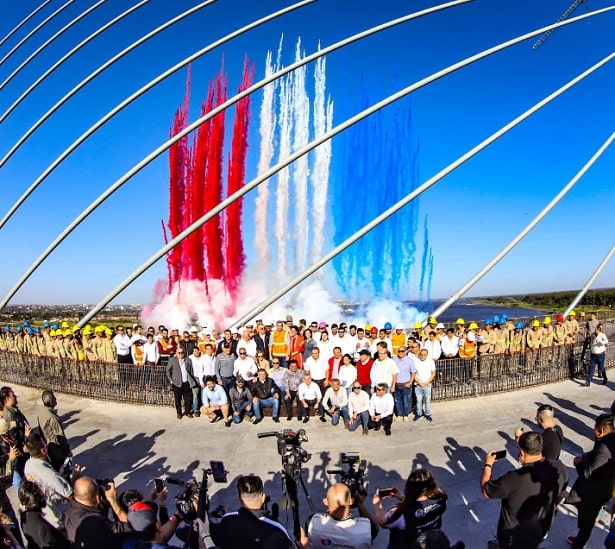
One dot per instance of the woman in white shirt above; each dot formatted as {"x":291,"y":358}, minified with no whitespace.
{"x":347,"y":374}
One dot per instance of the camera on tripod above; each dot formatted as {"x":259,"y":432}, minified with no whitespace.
{"x":354,"y":476}
{"x":289,"y":448}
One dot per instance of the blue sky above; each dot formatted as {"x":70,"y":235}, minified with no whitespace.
{"x":472,"y":213}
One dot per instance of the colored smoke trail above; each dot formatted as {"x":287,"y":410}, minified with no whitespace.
{"x":281,"y":210}
{"x":267,"y":135}
{"x":379,"y":167}
{"x":323,"y":120}
{"x":426,"y":261}
{"x":235,"y":256}
{"x":301,"y":137}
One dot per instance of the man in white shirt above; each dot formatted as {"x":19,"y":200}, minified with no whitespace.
{"x":245,"y":366}
{"x":433,"y":346}
{"x":345,"y":342}
{"x":450,"y":344}
{"x":318,"y":368}
{"x":358,"y":408}
{"x":384,"y":370}
{"x":123,"y":345}
{"x":335,"y":403}
{"x":381,"y":406}
{"x":309,"y":396}
{"x":246,"y":342}
{"x":360,"y":343}
{"x":599,"y":342}
{"x":425,"y":373}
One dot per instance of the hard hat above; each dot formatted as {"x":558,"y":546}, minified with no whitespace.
{"x":519,"y":325}
{"x":440,"y":326}
{"x":560,"y":318}
{"x":65,"y":324}
{"x":374,"y":330}
{"x":388,"y":326}
{"x":59,"y":332}
{"x":26,"y":324}
{"x":56,"y":326}
{"x":488,"y":321}
{"x":547,"y":320}
{"x":503,"y":318}
{"x":460,"y":321}
{"x":52,"y":333}
{"x":418,"y":325}
{"x":322,"y":324}
{"x":37,"y":330}
{"x":76,"y":328}
{"x":368,"y":327}
{"x":399,"y":326}
{"x":87,"y":331}
{"x":496,"y":319}
{"x":46,"y":324}
{"x":473,"y":326}
{"x":432,"y":320}
{"x":19,"y":329}
{"x":572,"y":313}
{"x":535,"y":323}
{"x":108,"y":331}
{"x":7,"y":328}
{"x":68,"y":332}
{"x":99,"y":329}
{"x":30,"y":331}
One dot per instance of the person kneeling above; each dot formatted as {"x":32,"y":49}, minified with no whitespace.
{"x":381,"y":407}
{"x":215,"y":402}
{"x":335,"y":403}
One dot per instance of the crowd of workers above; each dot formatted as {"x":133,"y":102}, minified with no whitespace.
{"x":62,"y":508}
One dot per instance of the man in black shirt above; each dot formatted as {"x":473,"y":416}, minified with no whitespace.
{"x":552,"y":434}
{"x":529,"y":494}
{"x":594,"y":485}
{"x":249,"y":527}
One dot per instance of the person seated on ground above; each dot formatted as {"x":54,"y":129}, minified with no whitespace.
{"x":337,"y":527}
{"x":241,"y":401}
{"x":309,"y":397}
{"x":38,"y":532}
{"x":381,"y":405}
{"x":85,"y":521}
{"x":420,"y":508}
{"x":249,"y":526}
{"x":335,"y":402}
{"x":265,"y":394}
{"x":215,"y":402}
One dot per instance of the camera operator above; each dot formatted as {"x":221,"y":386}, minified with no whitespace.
{"x":249,"y":527}
{"x":8,"y":456}
{"x":337,"y":527}
{"x":19,"y":425}
{"x":86,"y":520}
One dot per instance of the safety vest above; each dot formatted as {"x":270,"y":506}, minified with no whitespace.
{"x":468,"y":349}
{"x":279,"y":346}
{"x":138,"y":351}
{"x":398,"y":341}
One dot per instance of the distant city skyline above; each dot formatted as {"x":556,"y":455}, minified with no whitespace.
{"x":471,"y":214}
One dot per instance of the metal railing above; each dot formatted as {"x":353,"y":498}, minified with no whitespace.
{"x":457,"y":378}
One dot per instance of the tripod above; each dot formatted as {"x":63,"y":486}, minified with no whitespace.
{"x":292,"y":474}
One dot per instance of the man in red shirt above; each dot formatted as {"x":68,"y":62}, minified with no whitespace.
{"x":364,"y":367}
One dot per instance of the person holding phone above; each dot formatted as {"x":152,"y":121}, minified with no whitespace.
{"x":419,"y":510}
{"x":529,"y":494}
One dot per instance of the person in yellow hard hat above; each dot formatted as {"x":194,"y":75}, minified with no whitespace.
{"x":460,"y":330}
{"x":572,"y":328}
{"x":546,"y":343}
{"x":468,"y":351}
{"x":533,"y":341}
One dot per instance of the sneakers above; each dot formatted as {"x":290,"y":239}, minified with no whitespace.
{"x":216,"y":419}
{"x":257,"y":421}
{"x":250,"y":419}
{"x":416,"y":418}
{"x":197,"y":414}
{"x":228,"y":422}
{"x":288,"y":418}
{"x":586,"y":384}
{"x":572,"y":539}
{"x":306,"y":419}
{"x":428,"y":418}
{"x":323,"y":420}
{"x":276,"y":420}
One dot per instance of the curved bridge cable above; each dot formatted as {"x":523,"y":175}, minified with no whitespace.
{"x":35,"y":30}
{"x":93,"y":75}
{"x":87,"y":211}
{"x":49,"y":41}
{"x":222,"y":106}
{"x":254,"y":183}
{"x":417,"y":192}
{"x":65,"y":57}
{"x":459,"y":293}
{"x":23,"y":21}
{"x":591,"y":280}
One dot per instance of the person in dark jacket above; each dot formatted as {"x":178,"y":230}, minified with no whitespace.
{"x":38,"y":532}
{"x":594,"y":485}
{"x":52,"y":430}
{"x":85,"y":521}
{"x":241,"y":401}
{"x":265,"y":393}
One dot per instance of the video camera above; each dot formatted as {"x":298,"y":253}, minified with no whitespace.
{"x":289,"y":447}
{"x":354,"y":477}
{"x":192,"y":502}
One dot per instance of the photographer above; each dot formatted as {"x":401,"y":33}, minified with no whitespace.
{"x":249,"y":527}
{"x":420,"y":509}
{"x":86,"y":520}
{"x":337,"y":527}
{"x":529,"y":494}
